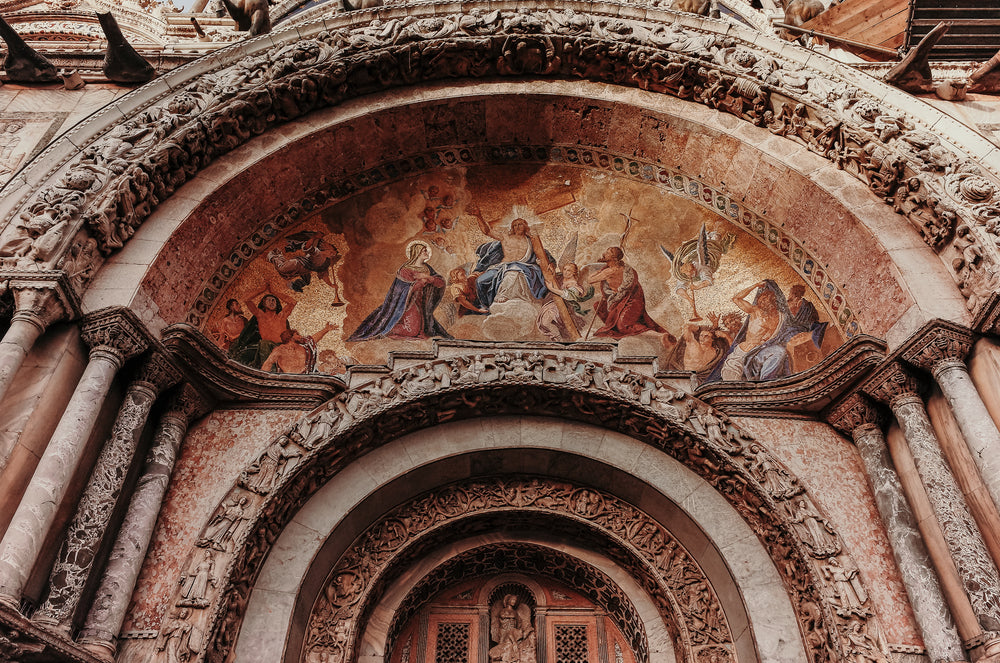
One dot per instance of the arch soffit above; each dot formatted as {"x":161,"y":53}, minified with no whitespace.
{"x":668,"y":572}
{"x":771,"y":501}
{"x":108,"y":185}
{"x":700,"y":520}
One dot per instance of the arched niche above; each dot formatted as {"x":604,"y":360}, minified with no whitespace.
{"x":720,"y":542}
{"x":763,"y":186}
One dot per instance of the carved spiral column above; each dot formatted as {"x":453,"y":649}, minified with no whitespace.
{"x":857,"y":417}
{"x":107,"y":613}
{"x":93,"y":513}
{"x":35,"y":309}
{"x":898,"y":388}
{"x":113,"y":337}
{"x":942,"y":352}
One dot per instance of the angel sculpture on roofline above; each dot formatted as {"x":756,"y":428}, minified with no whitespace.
{"x":695,"y":262}
{"x":512,"y":630}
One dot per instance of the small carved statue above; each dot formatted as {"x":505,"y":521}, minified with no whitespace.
{"x":512,"y":630}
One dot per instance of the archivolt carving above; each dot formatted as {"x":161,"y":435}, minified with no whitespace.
{"x":530,"y":559}
{"x":516,"y":382}
{"x":116,"y":180}
{"x":676,"y":583}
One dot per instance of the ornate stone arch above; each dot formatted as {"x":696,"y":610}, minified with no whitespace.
{"x":103,"y":179}
{"x":803,"y":545}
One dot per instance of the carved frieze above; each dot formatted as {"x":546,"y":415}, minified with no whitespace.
{"x":796,"y":534}
{"x":121,"y":175}
{"x":669,"y":570}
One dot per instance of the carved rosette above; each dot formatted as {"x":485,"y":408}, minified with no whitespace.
{"x":534,"y":384}
{"x":115,"y":334}
{"x":116,"y":181}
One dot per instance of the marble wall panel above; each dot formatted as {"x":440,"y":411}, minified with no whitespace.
{"x":218,"y":446}
{"x":831,"y":470}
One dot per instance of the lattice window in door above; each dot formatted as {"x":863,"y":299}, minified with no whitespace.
{"x":452,"y":644}
{"x":571,"y":644}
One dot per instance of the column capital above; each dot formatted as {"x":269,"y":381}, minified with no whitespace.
{"x":851,"y":413}
{"x":38,"y":303}
{"x":938,"y":343}
{"x":892,"y":384}
{"x":159,"y":372}
{"x":115,"y":331}
{"x":187,"y":403}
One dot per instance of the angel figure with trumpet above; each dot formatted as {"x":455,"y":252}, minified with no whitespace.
{"x":695,"y":262}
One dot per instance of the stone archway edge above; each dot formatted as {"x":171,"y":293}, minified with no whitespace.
{"x":99,"y":181}
{"x":805,"y":548}
{"x":667,"y":571}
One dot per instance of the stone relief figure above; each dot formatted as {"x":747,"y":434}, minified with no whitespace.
{"x":851,"y":595}
{"x":262,"y":476}
{"x":512,"y":630}
{"x":181,"y":640}
{"x":775,"y":480}
{"x":224,"y":524}
{"x":194,"y":587}
{"x":815,"y":531}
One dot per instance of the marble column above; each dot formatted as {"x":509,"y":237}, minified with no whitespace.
{"x":34,"y":310}
{"x":897,"y":387}
{"x":113,"y":337}
{"x":107,"y":612}
{"x":857,"y":417}
{"x":93,"y":513}
{"x":942,"y":351}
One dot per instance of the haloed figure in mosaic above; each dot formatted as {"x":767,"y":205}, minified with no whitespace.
{"x":408,"y":309}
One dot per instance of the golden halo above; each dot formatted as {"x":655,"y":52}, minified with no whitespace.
{"x":421,"y":243}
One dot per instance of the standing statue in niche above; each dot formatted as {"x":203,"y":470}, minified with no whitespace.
{"x":512,"y":630}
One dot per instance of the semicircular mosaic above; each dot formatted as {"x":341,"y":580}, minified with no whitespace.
{"x":523,"y":253}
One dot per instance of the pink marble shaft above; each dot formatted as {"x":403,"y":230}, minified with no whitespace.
{"x":974,"y":420}
{"x":31,"y":522}
{"x":17,"y":342}
{"x":979,"y":573}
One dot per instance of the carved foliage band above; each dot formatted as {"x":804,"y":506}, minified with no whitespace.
{"x":824,"y":586}
{"x":689,"y":598}
{"x":126,"y":172}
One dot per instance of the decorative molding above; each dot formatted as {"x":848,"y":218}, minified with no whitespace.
{"x":805,"y":548}
{"x":235,"y":385}
{"x":802,"y":394}
{"x":121,"y":170}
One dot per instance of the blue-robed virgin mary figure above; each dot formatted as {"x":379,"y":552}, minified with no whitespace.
{"x":408,"y":309}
